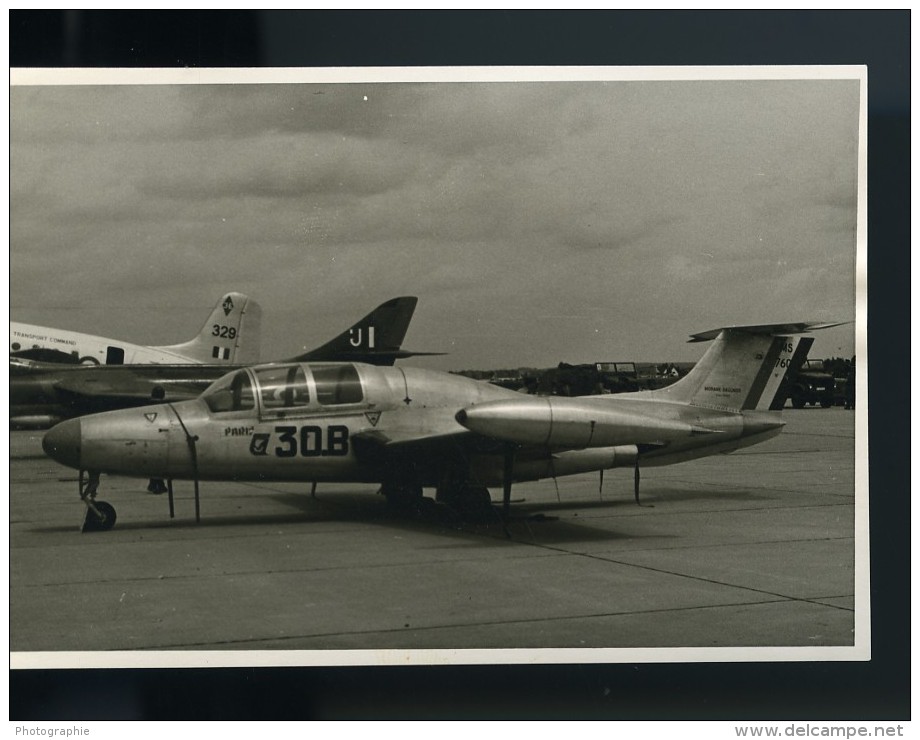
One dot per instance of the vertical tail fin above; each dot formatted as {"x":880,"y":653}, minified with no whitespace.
{"x":376,"y":339}
{"x":776,"y":391}
{"x":744,"y":368}
{"x":231,"y":335}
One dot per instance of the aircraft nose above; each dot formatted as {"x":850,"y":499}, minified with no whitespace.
{"x":62,"y":443}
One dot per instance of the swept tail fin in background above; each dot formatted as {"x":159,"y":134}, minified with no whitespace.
{"x":744,"y":368}
{"x":376,"y":339}
{"x":231,"y":335}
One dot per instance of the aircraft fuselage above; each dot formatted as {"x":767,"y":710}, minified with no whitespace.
{"x":87,"y":349}
{"x":261,"y":431}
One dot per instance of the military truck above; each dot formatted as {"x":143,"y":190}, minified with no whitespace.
{"x":811,"y":385}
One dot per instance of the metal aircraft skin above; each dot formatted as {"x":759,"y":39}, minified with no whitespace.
{"x":43,"y":394}
{"x":230,"y":336}
{"x":408,"y":429}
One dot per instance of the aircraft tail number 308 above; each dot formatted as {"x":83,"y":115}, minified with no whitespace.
{"x":306,"y":441}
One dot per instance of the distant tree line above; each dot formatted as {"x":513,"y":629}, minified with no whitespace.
{"x":824,"y":382}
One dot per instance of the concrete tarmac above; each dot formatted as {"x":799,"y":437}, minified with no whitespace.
{"x":753,"y":549}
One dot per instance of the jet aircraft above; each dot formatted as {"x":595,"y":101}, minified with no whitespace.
{"x":231,"y":335}
{"x":43,"y":394}
{"x":408,"y":429}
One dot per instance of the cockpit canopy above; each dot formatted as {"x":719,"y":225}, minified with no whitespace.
{"x":280,"y":389}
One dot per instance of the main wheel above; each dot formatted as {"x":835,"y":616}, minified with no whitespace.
{"x":402,"y":497}
{"x":156,"y":486}
{"x":101,"y":522}
{"x":473,"y":503}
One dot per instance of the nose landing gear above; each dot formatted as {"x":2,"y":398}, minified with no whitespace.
{"x":100,"y":515}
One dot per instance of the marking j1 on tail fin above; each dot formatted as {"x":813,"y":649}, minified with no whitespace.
{"x":377,"y":338}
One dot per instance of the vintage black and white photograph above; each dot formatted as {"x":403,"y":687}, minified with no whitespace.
{"x":342,"y":366}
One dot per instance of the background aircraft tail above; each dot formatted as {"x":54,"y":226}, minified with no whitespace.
{"x":231,"y":335}
{"x":375,"y":339}
{"x":744,"y":368}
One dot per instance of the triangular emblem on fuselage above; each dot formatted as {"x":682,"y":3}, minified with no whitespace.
{"x":373,"y":417}
{"x":151,"y":417}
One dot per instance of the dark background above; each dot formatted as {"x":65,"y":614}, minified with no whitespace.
{"x":878,"y":690}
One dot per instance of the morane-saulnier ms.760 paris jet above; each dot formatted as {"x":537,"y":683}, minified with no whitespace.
{"x":408,"y":429}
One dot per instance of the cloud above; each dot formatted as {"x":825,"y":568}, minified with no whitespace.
{"x":533,"y":220}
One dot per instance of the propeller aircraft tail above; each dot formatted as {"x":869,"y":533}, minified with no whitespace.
{"x":231,"y":335}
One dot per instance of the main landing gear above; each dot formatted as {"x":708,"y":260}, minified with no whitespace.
{"x":156,"y":486}
{"x":100,"y":515}
{"x":407,"y":499}
{"x":636,"y":478}
{"x":402,"y":496}
{"x":463,"y":499}
{"x":470,"y":501}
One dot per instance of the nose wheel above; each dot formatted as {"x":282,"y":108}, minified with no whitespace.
{"x":100,"y":515}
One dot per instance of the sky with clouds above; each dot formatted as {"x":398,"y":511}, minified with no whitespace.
{"x":537,"y":222}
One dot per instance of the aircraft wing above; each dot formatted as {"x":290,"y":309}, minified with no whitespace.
{"x":123,"y":384}
{"x":44,"y":355}
{"x":406,"y":438}
{"x":113,"y":385}
{"x":419,"y":450}
{"x":417,"y":438}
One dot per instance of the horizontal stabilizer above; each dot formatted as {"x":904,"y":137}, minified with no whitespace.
{"x":800,"y":327}
{"x":382,"y":357}
{"x":403,"y":353}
